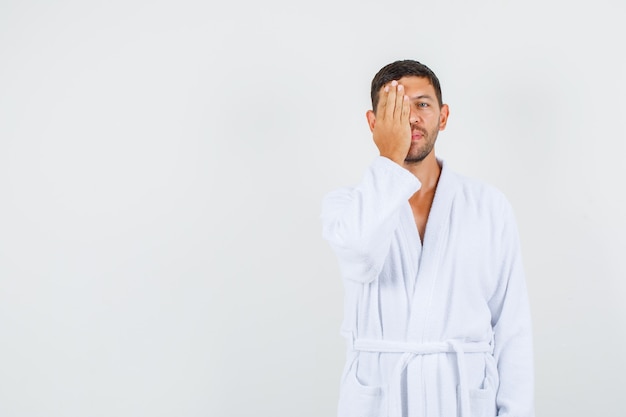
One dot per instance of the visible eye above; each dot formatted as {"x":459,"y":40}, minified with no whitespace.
{"x":423,"y":105}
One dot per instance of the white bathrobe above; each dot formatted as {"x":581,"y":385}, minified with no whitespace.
{"x":434,"y":330}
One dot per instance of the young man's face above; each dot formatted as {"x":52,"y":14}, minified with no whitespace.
{"x":426,"y":119}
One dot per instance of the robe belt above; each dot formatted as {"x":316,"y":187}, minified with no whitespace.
{"x":411,"y":351}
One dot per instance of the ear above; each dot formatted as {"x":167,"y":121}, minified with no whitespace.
{"x":371,"y":119}
{"x":443,"y":116}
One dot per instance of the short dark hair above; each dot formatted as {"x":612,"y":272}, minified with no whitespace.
{"x":399,"y":69}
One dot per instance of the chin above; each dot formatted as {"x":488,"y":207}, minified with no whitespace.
{"x":417,"y":157}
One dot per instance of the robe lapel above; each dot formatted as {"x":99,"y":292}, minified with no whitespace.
{"x":435,"y":239}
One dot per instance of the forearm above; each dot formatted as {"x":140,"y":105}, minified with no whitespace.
{"x":359,"y":223}
{"x":514,"y":354}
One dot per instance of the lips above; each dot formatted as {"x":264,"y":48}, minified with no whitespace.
{"x":416,"y":135}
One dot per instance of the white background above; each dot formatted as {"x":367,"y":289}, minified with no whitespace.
{"x":161,"y":170}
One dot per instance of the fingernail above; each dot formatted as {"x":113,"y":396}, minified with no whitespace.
{"x":400,"y":87}
{"x":386,"y":89}
{"x":394,"y":83}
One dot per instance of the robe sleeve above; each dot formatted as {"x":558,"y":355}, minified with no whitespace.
{"x":511,"y":322}
{"x":359,"y":222}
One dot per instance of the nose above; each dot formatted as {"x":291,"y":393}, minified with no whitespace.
{"x":413,"y":117}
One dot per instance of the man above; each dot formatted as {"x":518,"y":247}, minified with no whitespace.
{"x":436,"y":309}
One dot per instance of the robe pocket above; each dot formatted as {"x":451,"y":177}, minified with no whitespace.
{"x":482,"y":401}
{"x":358,"y":400}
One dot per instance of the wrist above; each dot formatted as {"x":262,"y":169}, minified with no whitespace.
{"x":397,"y":158}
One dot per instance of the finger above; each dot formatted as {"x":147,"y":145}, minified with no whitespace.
{"x":391,"y":100}
{"x":399,"y":102}
{"x":406,"y":109}
{"x":382,"y":102}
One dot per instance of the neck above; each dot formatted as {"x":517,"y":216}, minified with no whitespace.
{"x":427,"y":171}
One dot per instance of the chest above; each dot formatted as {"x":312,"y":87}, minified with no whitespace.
{"x":420,"y":206}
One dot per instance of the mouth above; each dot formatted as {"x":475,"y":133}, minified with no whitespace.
{"x":416,"y":135}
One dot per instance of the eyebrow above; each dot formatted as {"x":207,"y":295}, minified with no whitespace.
{"x":420,"y":97}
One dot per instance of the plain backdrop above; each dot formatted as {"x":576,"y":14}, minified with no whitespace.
{"x":162,"y":165}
